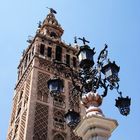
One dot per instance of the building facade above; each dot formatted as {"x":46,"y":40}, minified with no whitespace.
{"x":35,"y":114}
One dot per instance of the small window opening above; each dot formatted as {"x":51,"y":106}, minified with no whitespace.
{"x":58,"y":55}
{"x":42,"y":49}
{"x":67,"y":59}
{"x":32,"y":51}
{"x":21,"y":94}
{"x":26,"y":59}
{"x":29,"y":56}
{"x":74,"y":62}
{"x":16,"y":128}
{"x":18,"y":112}
{"x":49,"y":53}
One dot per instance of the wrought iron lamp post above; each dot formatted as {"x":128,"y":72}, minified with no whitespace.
{"x":92,"y":76}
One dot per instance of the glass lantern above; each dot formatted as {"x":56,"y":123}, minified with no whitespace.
{"x":72,"y":118}
{"x":85,"y":56}
{"x":111,"y":71}
{"x":55,"y":86}
{"x":123,"y":104}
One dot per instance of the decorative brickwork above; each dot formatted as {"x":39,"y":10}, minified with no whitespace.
{"x":42,"y":87}
{"x":27,"y":90}
{"x":73,"y":98}
{"x":41,"y":122}
{"x":14,"y":109}
{"x":57,"y":69}
{"x":46,"y":65}
{"x":73,"y":137}
{"x":9,"y":137}
{"x":24,"y":109}
{"x":22,"y":125}
{"x":23,"y":78}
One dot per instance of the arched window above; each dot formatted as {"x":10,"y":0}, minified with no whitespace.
{"x":59,"y":120}
{"x":42,"y":96}
{"x":58,"y":137}
{"x":59,"y":102}
{"x":39,"y":96}
{"x":45,"y":97}
{"x":58,"y":117}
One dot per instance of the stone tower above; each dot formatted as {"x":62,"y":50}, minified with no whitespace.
{"x":35,"y":114}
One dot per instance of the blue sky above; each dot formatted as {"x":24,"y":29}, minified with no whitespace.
{"x":114,"y":22}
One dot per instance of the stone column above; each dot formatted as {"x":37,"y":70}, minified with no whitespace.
{"x":94,"y":126}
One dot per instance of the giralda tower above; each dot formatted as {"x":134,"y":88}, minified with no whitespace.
{"x":35,"y":114}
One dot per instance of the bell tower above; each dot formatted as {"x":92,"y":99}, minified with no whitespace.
{"x":35,"y":114}
{"x":51,"y":27}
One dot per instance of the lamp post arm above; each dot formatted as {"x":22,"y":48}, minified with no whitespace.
{"x":117,"y":88}
{"x":103,"y":84}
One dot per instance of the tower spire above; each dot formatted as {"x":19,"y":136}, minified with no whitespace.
{"x":50,"y":26}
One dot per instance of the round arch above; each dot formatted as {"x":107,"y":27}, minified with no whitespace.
{"x":58,"y":137}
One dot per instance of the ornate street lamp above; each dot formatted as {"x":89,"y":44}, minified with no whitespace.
{"x":85,"y":56}
{"x":123,"y":105}
{"x":92,"y":77}
{"x":55,"y":86}
{"x":72,"y":118}
{"x":111,"y":71}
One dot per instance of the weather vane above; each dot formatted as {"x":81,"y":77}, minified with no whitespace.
{"x":75,"y":40}
{"x":52,"y":10}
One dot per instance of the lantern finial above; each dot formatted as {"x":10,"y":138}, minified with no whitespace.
{"x":84,"y":40}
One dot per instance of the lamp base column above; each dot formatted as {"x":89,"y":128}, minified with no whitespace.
{"x":98,"y":138}
{"x":95,"y":128}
